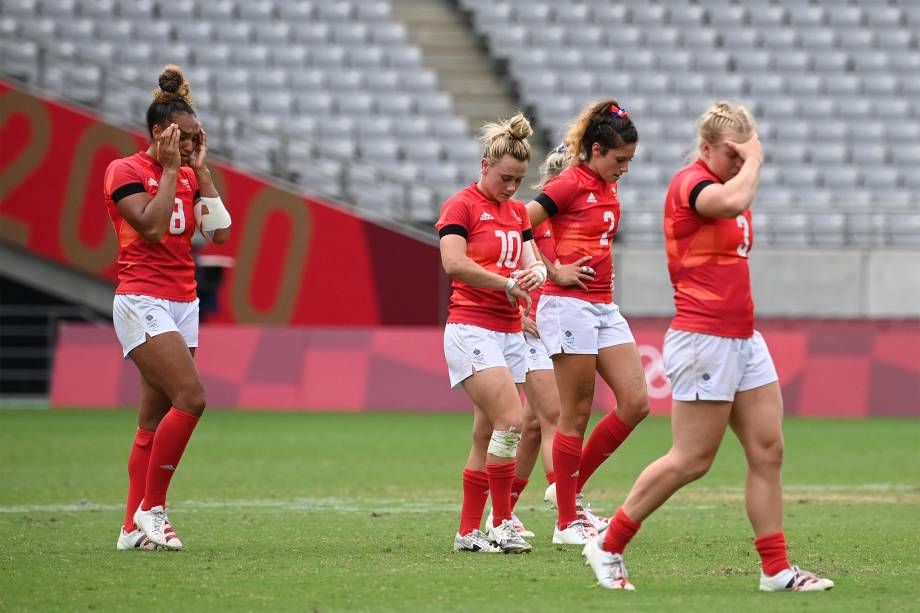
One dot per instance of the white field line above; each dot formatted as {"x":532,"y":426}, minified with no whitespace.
{"x":827,"y":493}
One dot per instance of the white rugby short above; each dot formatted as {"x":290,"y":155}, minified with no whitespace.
{"x":573,"y":325}
{"x":136,"y":316}
{"x":706,"y":367}
{"x":469,"y":349}
{"x":537,"y":358}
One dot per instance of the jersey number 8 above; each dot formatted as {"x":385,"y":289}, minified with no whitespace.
{"x":177,"y":221}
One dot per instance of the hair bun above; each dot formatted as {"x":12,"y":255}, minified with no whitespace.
{"x":519,"y":127}
{"x":173,"y":86}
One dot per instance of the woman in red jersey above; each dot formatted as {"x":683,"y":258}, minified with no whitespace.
{"x":720,"y":368}
{"x":580,"y":324}
{"x":541,"y":405}
{"x":485,"y":237}
{"x":156,"y":199}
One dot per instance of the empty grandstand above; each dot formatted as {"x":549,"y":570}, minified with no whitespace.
{"x":333,"y":95}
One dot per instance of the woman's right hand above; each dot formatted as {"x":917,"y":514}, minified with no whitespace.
{"x":751,"y":148}
{"x":168,"y":148}
{"x":575,"y":273}
{"x":515,"y":292}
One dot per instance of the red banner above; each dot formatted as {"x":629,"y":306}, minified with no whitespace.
{"x":846,"y":368}
{"x":299,"y":260}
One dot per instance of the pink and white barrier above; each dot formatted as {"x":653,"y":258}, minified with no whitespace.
{"x":832,"y":368}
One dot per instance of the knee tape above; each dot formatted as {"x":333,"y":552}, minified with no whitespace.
{"x":504,"y":443}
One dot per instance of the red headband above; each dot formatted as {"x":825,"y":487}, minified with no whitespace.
{"x":614,"y":109}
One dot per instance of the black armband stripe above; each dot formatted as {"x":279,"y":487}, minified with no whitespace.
{"x":527,"y":235}
{"x":453,"y":229}
{"x":127,"y":190}
{"x":547,"y":203}
{"x":695,"y":192}
{"x":197,"y":196}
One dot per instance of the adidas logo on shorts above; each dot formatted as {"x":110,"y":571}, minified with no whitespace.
{"x":486,"y":217}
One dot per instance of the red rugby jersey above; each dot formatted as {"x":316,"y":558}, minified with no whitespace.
{"x":165,"y":269}
{"x":495,"y":234}
{"x":707,"y":260}
{"x":543,"y":237}
{"x":584,"y":211}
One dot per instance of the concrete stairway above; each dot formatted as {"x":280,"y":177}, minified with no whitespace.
{"x":481,"y":93}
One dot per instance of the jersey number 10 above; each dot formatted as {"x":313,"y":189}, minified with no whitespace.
{"x":511,"y":248}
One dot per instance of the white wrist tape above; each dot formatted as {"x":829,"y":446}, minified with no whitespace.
{"x":504,"y":443}
{"x":540,"y":269}
{"x":510,"y":283}
{"x":211,"y":214}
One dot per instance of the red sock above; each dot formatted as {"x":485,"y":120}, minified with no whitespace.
{"x":137,"y":474}
{"x":620,"y":532}
{"x":169,"y":442}
{"x":608,"y":434}
{"x":772,"y":550}
{"x":551,"y":477}
{"x":566,"y":458}
{"x":501,"y":476}
{"x":475,"y":494}
{"x":517,"y":486}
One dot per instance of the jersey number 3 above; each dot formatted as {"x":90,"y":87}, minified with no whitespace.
{"x":745,"y":246}
{"x":511,"y":248}
{"x":177,"y":221}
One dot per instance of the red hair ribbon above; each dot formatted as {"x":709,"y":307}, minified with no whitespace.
{"x":614,"y":109}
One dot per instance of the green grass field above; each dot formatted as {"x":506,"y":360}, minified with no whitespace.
{"x":323,"y":512}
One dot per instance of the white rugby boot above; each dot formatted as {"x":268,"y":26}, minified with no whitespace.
{"x":576,"y":533}
{"x":172,"y":539}
{"x":794,"y":580}
{"x":518,"y":525}
{"x":475,"y":542}
{"x":583,"y":509}
{"x":135,"y":540}
{"x":153,"y":523}
{"x":506,"y":538}
{"x":608,"y":567}
{"x":550,"y":495}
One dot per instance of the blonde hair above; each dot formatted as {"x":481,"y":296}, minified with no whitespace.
{"x":720,"y":118}
{"x":603,"y":122}
{"x":555,"y":163}
{"x":507,"y":137}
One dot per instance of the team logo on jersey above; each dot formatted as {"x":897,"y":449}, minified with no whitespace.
{"x":547,"y":234}
{"x":185,"y":182}
{"x":151,"y":182}
{"x":486,"y":217}
{"x":592,"y":197}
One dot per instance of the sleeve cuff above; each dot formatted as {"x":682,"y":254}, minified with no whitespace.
{"x":127,"y":190}
{"x":547,"y":203}
{"x":453,"y":229}
{"x":695,"y":192}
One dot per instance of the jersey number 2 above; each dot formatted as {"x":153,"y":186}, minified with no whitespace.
{"x":608,"y":216}
{"x":511,"y":248}
{"x":177,"y":221}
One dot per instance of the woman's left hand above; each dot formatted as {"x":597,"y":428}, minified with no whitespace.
{"x":529,"y":325}
{"x":527,"y":279}
{"x":198,"y":161}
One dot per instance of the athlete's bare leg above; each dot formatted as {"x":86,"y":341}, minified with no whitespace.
{"x":757,"y":419}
